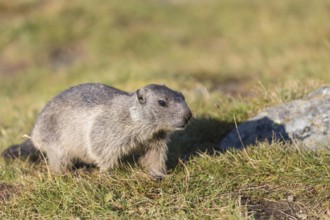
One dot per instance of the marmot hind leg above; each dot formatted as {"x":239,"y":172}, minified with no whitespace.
{"x":26,"y":150}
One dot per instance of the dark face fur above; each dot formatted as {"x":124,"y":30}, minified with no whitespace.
{"x":164,"y":107}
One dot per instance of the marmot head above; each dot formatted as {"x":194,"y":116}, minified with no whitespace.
{"x":162,"y":107}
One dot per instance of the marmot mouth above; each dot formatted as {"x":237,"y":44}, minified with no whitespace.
{"x":180,"y":127}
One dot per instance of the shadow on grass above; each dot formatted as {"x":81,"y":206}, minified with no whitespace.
{"x":201,"y":136}
{"x":209,"y":135}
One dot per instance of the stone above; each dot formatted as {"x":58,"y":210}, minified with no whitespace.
{"x":290,"y":198}
{"x":305,"y":122}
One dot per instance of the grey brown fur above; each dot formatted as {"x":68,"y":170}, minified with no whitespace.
{"x":99,"y":124}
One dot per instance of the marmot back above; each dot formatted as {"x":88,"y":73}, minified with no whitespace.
{"x":99,"y":124}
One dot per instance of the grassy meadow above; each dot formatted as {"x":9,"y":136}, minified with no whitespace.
{"x":230,"y":58}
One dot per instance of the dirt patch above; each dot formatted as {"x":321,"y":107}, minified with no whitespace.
{"x":229,"y":84}
{"x":11,"y":68}
{"x":6,"y":191}
{"x":11,"y":9}
{"x":234,"y":87}
{"x":274,"y":209}
{"x":64,"y":56}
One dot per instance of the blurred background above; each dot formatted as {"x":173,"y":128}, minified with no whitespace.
{"x":230,"y":58}
{"x":227,"y":56}
{"x":211,"y":42}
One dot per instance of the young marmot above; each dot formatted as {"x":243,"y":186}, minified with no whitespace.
{"x":99,"y":124}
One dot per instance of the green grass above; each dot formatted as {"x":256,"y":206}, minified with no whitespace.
{"x":230,"y":58}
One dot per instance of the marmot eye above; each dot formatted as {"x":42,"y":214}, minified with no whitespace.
{"x":162,"y":103}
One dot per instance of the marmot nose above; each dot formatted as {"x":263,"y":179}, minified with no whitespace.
{"x":188,"y":116}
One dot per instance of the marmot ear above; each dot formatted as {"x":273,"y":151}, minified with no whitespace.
{"x":141,"y":97}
